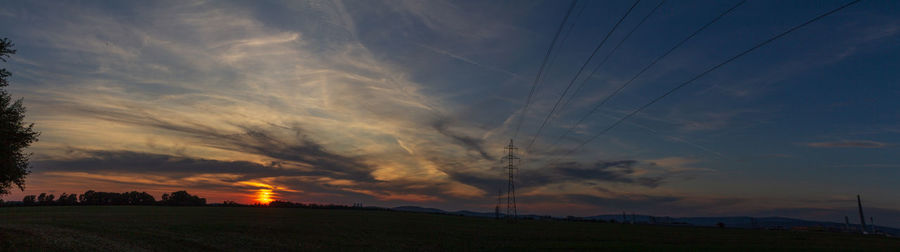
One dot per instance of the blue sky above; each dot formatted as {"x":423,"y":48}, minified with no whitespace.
{"x":411,"y":102}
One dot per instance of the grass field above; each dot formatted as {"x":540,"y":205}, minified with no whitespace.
{"x":136,"y":228}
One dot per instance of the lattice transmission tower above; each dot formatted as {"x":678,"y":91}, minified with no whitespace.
{"x":511,"y":159}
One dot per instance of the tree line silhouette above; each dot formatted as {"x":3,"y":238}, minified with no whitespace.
{"x":179,"y":198}
{"x":91,"y":197}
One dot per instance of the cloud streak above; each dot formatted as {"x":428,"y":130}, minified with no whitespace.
{"x":849,"y":144}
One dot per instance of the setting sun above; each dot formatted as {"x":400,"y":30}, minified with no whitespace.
{"x":264,"y":196}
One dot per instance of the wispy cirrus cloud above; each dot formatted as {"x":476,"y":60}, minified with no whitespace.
{"x":473,"y":62}
{"x":849,"y":144}
{"x":867,"y":166}
{"x":214,"y":86}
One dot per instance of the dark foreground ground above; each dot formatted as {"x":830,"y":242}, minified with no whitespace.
{"x":134,"y":228}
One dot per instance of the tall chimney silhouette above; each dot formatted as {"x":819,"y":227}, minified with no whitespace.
{"x":862,"y":218}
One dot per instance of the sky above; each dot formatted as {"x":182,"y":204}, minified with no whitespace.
{"x":412,"y":103}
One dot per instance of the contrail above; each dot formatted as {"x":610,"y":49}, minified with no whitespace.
{"x":467,"y":60}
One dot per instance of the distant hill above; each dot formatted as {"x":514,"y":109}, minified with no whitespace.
{"x":460,"y":213}
{"x":745,"y":222}
{"x":419,"y":209}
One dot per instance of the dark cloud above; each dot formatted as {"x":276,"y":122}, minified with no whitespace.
{"x":547,"y":154}
{"x":621,"y":171}
{"x":469,"y":143}
{"x":607,"y":171}
{"x":488,"y":180}
{"x":175,"y":166}
{"x":302,"y":150}
{"x":297,"y":148}
{"x":128,"y":161}
{"x":849,"y":144}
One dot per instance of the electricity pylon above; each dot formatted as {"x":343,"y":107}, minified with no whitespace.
{"x":511,"y":184}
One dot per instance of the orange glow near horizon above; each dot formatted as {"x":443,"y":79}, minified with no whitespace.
{"x":264,"y":196}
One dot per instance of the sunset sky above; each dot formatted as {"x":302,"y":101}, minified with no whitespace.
{"x":411,"y":103}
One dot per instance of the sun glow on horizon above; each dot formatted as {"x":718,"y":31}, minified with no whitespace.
{"x":264,"y":196}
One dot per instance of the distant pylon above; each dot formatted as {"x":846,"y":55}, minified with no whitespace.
{"x":511,"y":184}
{"x":497,"y":208}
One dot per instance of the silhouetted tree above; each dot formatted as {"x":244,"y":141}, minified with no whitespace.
{"x":111,"y":198}
{"x":45,"y":199}
{"x":29,"y":200}
{"x":146,"y":199}
{"x":91,"y":197}
{"x":62,"y":199}
{"x":280,"y":203}
{"x":182,"y":198}
{"x":67,"y":199}
{"x":88,"y":198}
{"x":15,"y":136}
{"x":139,"y":198}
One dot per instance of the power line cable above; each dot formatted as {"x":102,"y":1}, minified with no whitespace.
{"x":566,"y":35}
{"x":541,"y":69}
{"x":605,"y":58}
{"x":641,"y":72}
{"x":594,"y":53}
{"x":729,"y":60}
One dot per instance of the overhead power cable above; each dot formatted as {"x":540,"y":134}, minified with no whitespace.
{"x":537,"y":79}
{"x":641,"y":72}
{"x":605,"y":58}
{"x":566,"y":35}
{"x":698,"y":76}
{"x":594,"y":53}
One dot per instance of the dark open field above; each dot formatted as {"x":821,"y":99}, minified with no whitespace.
{"x":93,"y":228}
